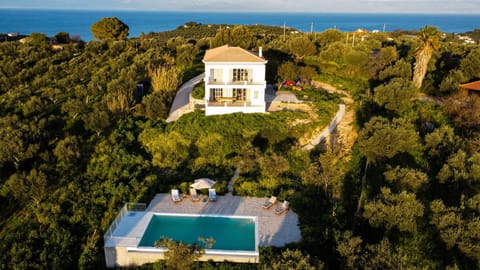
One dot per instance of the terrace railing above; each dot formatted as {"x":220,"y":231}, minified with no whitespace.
{"x":140,"y":207}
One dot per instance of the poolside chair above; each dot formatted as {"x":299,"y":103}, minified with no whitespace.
{"x":176,"y":195}
{"x":282,"y":208}
{"x":194,"y":195}
{"x":212,"y":194}
{"x":268,"y":203}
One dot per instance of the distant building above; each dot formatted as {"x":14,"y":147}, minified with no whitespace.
{"x":234,"y":81}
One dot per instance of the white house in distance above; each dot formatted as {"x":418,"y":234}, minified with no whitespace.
{"x":234,"y":81}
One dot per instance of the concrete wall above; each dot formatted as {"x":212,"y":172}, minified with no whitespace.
{"x":123,"y":257}
{"x":217,"y":110}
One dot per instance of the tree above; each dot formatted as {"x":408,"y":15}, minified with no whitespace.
{"x":329,"y":36}
{"x":120,"y":97}
{"x":394,"y":210}
{"x":28,"y":187}
{"x":406,"y":178}
{"x":379,"y":59}
{"x":169,"y":150}
{"x":450,"y":83}
{"x":301,"y":46}
{"x":383,"y":255}
{"x":469,"y":65}
{"x":401,"y":69}
{"x":239,"y":36}
{"x":395,"y":96}
{"x":350,"y":248}
{"x":295,"y":260}
{"x":331,"y":174}
{"x":381,"y":138}
{"x":156,"y":104}
{"x":458,"y":226}
{"x":461,"y":169}
{"x":62,"y":38}
{"x":14,"y":145}
{"x":97,"y":120}
{"x":428,"y":42}
{"x":180,"y":255}
{"x":67,"y":152}
{"x":287,"y":71}
{"x":109,"y":29}
{"x":165,"y":78}
{"x":186,"y":54}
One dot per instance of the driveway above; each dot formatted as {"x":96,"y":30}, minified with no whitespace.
{"x":182,"y":99}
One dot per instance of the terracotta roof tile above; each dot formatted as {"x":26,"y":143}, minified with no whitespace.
{"x":471,"y":86}
{"x":231,"y":54}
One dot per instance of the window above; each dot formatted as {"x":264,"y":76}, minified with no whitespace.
{"x":255,"y":95}
{"x":240,"y":74}
{"x":239,"y":93}
{"x":215,"y":93}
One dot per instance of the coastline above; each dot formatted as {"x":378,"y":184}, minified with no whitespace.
{"x":78,"y":22}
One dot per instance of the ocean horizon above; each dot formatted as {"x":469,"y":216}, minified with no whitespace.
{"x":78,"y":22}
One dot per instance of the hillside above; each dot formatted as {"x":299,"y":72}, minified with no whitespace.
{"x":79,"y":137}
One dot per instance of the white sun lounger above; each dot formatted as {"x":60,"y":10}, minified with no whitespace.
{"x":176,"y":195}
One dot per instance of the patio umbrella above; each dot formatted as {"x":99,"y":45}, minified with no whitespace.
{"x":202,"y":183}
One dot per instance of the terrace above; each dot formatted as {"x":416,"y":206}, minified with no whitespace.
{"x":123,"y":238}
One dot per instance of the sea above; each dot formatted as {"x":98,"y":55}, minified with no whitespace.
{"x":78,"y":22}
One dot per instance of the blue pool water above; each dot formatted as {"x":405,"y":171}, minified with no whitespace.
{"x":228,"y":233}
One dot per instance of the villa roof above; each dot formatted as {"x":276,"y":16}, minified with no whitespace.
{"x":471,"y":86}
{"x":231,"y":54}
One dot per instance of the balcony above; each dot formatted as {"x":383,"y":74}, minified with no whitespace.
{"x":228,"y":102}
{"x":236,"y":83}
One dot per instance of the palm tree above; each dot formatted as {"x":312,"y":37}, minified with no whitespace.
{"x":428,"y":41}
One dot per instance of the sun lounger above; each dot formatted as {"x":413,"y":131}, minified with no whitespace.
{"x":282,"y":208}
{"x":212,"y":194}
{"x":270,"y":202}
{"x":176,"y":195}
{"x":194,"y":195}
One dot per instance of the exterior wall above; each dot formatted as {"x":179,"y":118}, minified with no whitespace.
{"x":217,"y":110}
{"x":124,"y":257}
{"x":220,"y":75}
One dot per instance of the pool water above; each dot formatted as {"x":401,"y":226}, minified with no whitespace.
{"x":229,"y":233}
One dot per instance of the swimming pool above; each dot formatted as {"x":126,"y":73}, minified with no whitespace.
{"x":231,"y":233}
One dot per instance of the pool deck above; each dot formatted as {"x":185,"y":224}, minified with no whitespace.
{"x":273,"y":229}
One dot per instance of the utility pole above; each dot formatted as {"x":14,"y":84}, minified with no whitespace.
{"x":284,"y":30}
{"x":311,"y":28}
{"x":384,"y":27}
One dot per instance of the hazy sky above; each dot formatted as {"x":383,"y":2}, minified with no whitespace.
{"x":354,"y":6}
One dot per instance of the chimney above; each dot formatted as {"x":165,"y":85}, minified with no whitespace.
{"x":260,"y":53}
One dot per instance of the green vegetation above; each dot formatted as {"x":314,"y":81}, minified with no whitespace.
{"x":109,"y":29}
{"x":182,"y":256}
{"x":198,"y":91}
{"x":77,"y":141}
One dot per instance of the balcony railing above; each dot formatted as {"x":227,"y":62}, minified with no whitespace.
{"x":214,"y":82}
{"x":228,"y":102}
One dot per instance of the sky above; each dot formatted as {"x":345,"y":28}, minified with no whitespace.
{"x":321,"y":6}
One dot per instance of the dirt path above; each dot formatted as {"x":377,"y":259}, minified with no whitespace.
{"x":345,"y":134}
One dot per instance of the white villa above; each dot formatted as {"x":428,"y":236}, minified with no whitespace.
{"x":234,"y":81}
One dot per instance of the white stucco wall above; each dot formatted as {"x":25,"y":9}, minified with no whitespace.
{"x":219,"y":75}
